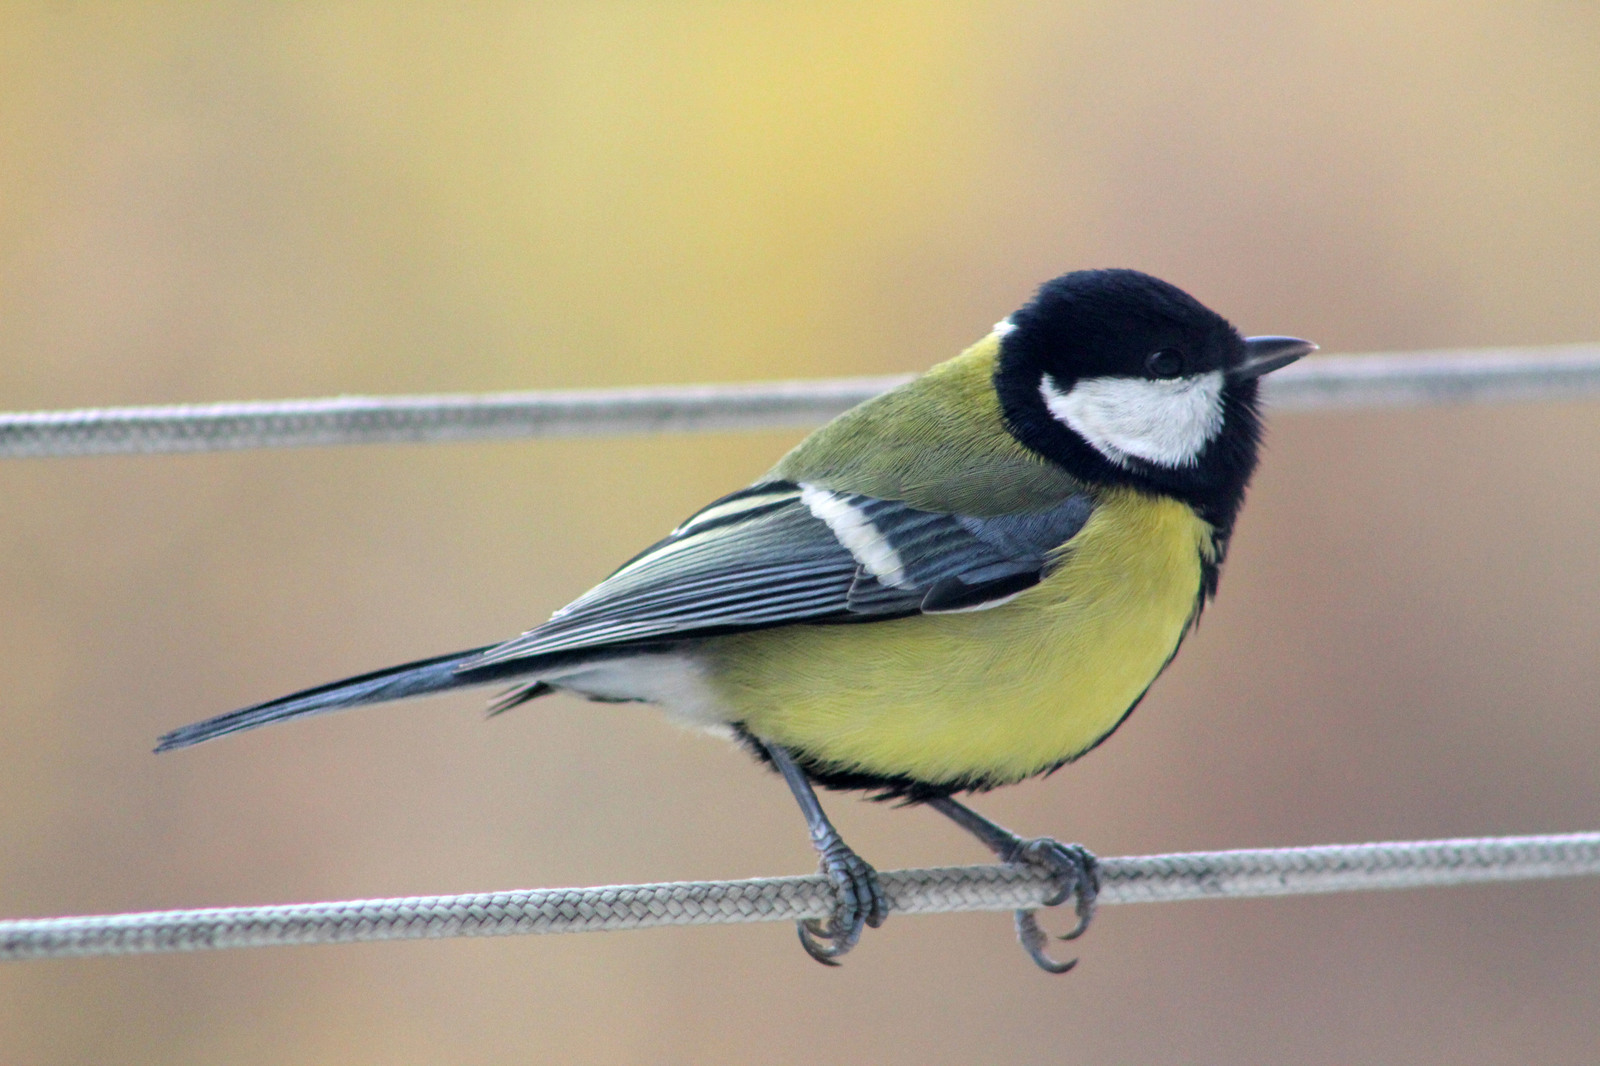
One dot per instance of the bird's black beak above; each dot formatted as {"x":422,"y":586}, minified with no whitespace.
{"x":1263,"y":355}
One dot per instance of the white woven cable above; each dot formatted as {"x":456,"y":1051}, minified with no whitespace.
{"x":1323,"y":382}
{"x":418,"y":419}
{"x":1139,"y":879}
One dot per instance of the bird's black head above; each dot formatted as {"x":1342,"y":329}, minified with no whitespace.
{"x":1124,"y":379}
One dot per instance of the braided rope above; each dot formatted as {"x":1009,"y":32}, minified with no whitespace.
{"x":1140,"y":879}
{"x":1325,"y":382}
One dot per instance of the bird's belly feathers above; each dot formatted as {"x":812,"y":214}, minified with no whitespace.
{"x":989,"y":696}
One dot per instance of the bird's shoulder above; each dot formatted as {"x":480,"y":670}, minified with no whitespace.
{"x":937,"y":443}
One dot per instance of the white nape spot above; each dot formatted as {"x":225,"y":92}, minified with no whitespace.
{"x":1168,"y":423}
{"x":1004,"y":326}
{"x":857,"y":533}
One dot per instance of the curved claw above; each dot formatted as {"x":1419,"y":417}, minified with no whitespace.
{"x":859,"y":902}
{"x":1078,"y":873}
{"x":1034,"y":941}
{"x":826,"y":943}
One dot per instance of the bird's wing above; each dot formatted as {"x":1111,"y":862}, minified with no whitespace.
{"x":780,"y":553}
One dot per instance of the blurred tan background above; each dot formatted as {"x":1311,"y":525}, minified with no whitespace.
{"x":241,"y":201}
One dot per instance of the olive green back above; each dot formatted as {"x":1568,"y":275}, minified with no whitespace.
{"x":938,"y":443}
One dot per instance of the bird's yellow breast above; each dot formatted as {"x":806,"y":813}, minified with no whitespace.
{"x":987,"y":696}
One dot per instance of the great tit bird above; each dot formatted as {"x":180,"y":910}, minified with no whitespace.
{"x":964,"y":582}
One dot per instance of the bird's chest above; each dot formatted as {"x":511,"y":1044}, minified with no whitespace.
{"x":991,"y":695}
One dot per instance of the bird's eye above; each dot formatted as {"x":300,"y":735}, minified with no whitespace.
{"x":1167,"y":363}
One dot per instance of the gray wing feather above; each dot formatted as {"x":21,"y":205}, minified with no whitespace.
{"x":762,"y":558}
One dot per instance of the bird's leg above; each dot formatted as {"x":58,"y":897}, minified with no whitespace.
{"x":1076,"y":870}
{"x":859,"y":897}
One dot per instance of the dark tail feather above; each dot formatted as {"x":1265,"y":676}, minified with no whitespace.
{"x":397,"y":682}
{"x":517,"y":695}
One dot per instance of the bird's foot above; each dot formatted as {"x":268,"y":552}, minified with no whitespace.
{"x":1077,"y":875}
{"x":1073,"y":867}
{"x":858,"y":901}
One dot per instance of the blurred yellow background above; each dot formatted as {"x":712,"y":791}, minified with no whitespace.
{"x":240,"y":201}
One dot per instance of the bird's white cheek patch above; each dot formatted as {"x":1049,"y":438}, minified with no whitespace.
{"x":1168,"y":423}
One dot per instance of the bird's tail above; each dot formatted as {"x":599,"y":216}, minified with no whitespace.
{"x":397,"y":682}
